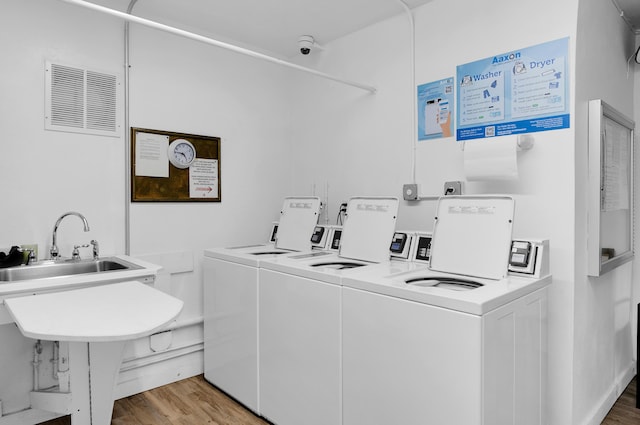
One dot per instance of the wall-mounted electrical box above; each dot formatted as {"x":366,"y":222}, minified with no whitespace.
{"x":453,"y":188}
{"x":410,"y":192}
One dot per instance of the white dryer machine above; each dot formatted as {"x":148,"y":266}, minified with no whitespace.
{"x":231,"y":300}
{"x":300,"y":317}
{"x":459,"y":342}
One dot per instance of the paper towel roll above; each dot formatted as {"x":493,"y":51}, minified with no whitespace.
{"x":490,"y":159}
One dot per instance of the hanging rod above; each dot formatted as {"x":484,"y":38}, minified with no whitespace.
{"x":206,"y":40}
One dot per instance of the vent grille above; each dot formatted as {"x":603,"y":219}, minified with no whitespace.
{"x":80,"y":100}
{"x":67,"y":96}
{"x":101,"y":101}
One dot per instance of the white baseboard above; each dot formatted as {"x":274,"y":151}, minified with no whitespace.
{"x":597,"y":415}
{"x":167,"y":371}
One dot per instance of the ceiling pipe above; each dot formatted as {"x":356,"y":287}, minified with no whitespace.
{"x":206,"y":40}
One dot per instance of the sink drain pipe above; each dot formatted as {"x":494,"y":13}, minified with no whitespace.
{"x":37,"y":350}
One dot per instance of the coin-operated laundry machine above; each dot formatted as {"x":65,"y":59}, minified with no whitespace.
{"x":300,"y":319}
{"x":231,"y":299}
{"x":459,"y":342}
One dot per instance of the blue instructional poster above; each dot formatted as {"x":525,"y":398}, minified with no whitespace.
{"x":435,"y":105}
{"x":523,"y":91}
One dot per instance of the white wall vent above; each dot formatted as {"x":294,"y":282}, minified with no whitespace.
{"x":82,"y":101}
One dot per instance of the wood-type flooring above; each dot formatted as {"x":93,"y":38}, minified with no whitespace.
{"x":191,"y":401}
{"x":194,"y":401}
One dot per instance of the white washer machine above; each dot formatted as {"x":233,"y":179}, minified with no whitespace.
{"x":231,"y":300}
{"x":461,"y":342}
{"x":300,"y":318}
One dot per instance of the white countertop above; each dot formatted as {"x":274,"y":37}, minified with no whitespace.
{"x":115,"y":312}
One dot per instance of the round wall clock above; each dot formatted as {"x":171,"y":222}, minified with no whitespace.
{"x":181,"y":153}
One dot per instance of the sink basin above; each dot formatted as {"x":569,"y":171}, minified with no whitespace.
{"x":65,"y":268}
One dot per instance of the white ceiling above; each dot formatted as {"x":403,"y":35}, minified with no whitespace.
{"x":273,"y":26}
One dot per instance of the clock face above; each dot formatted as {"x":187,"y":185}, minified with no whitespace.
{"x":181,"y":153}
{"x":184,"y":153}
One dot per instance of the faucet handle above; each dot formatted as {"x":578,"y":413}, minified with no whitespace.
{"x":75,"y":255}
{"x":96,"y":249}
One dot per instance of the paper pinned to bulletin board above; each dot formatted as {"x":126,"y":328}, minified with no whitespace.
{"x":174,"y":167}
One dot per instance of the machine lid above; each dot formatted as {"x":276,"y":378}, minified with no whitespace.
{"x":298,"y":219}
{"x":368,"y":228}
{"x":472,"y":236}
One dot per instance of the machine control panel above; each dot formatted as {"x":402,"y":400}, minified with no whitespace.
{"x":274,"y":232}
{"x":335,"y":239}
{"x":529,"y":257}
{"x":423,"y":247}
{"x":318,"y":233}
{"x":401,"y":245}
{"x":398,"y":242}
{"x":520,"y":253}
{"x":319,"y":237}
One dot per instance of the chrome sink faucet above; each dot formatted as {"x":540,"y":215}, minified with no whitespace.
{"x":53,"y":252}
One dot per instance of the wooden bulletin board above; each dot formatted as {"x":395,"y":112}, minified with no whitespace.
{"x":154,"y":179}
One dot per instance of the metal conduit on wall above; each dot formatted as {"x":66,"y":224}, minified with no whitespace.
{"x":127,"y":138}
{"x":414,"y":100}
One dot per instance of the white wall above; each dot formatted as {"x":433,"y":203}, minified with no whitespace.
{"x":636,"y":263}
{"x":590,"y":341}
{"x":47,"y":173}
{"x":603,"y":340}
{"x":180,"y":85}
{"x":355,"y":142}
{"x":176,"y":85}
{"x":362,"y":143}
{"x":287,"y":133}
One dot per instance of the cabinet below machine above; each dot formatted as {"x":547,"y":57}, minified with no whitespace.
{"x":231,"y":329}
{"x":413,"y":363}
{"x":299,"y":346}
